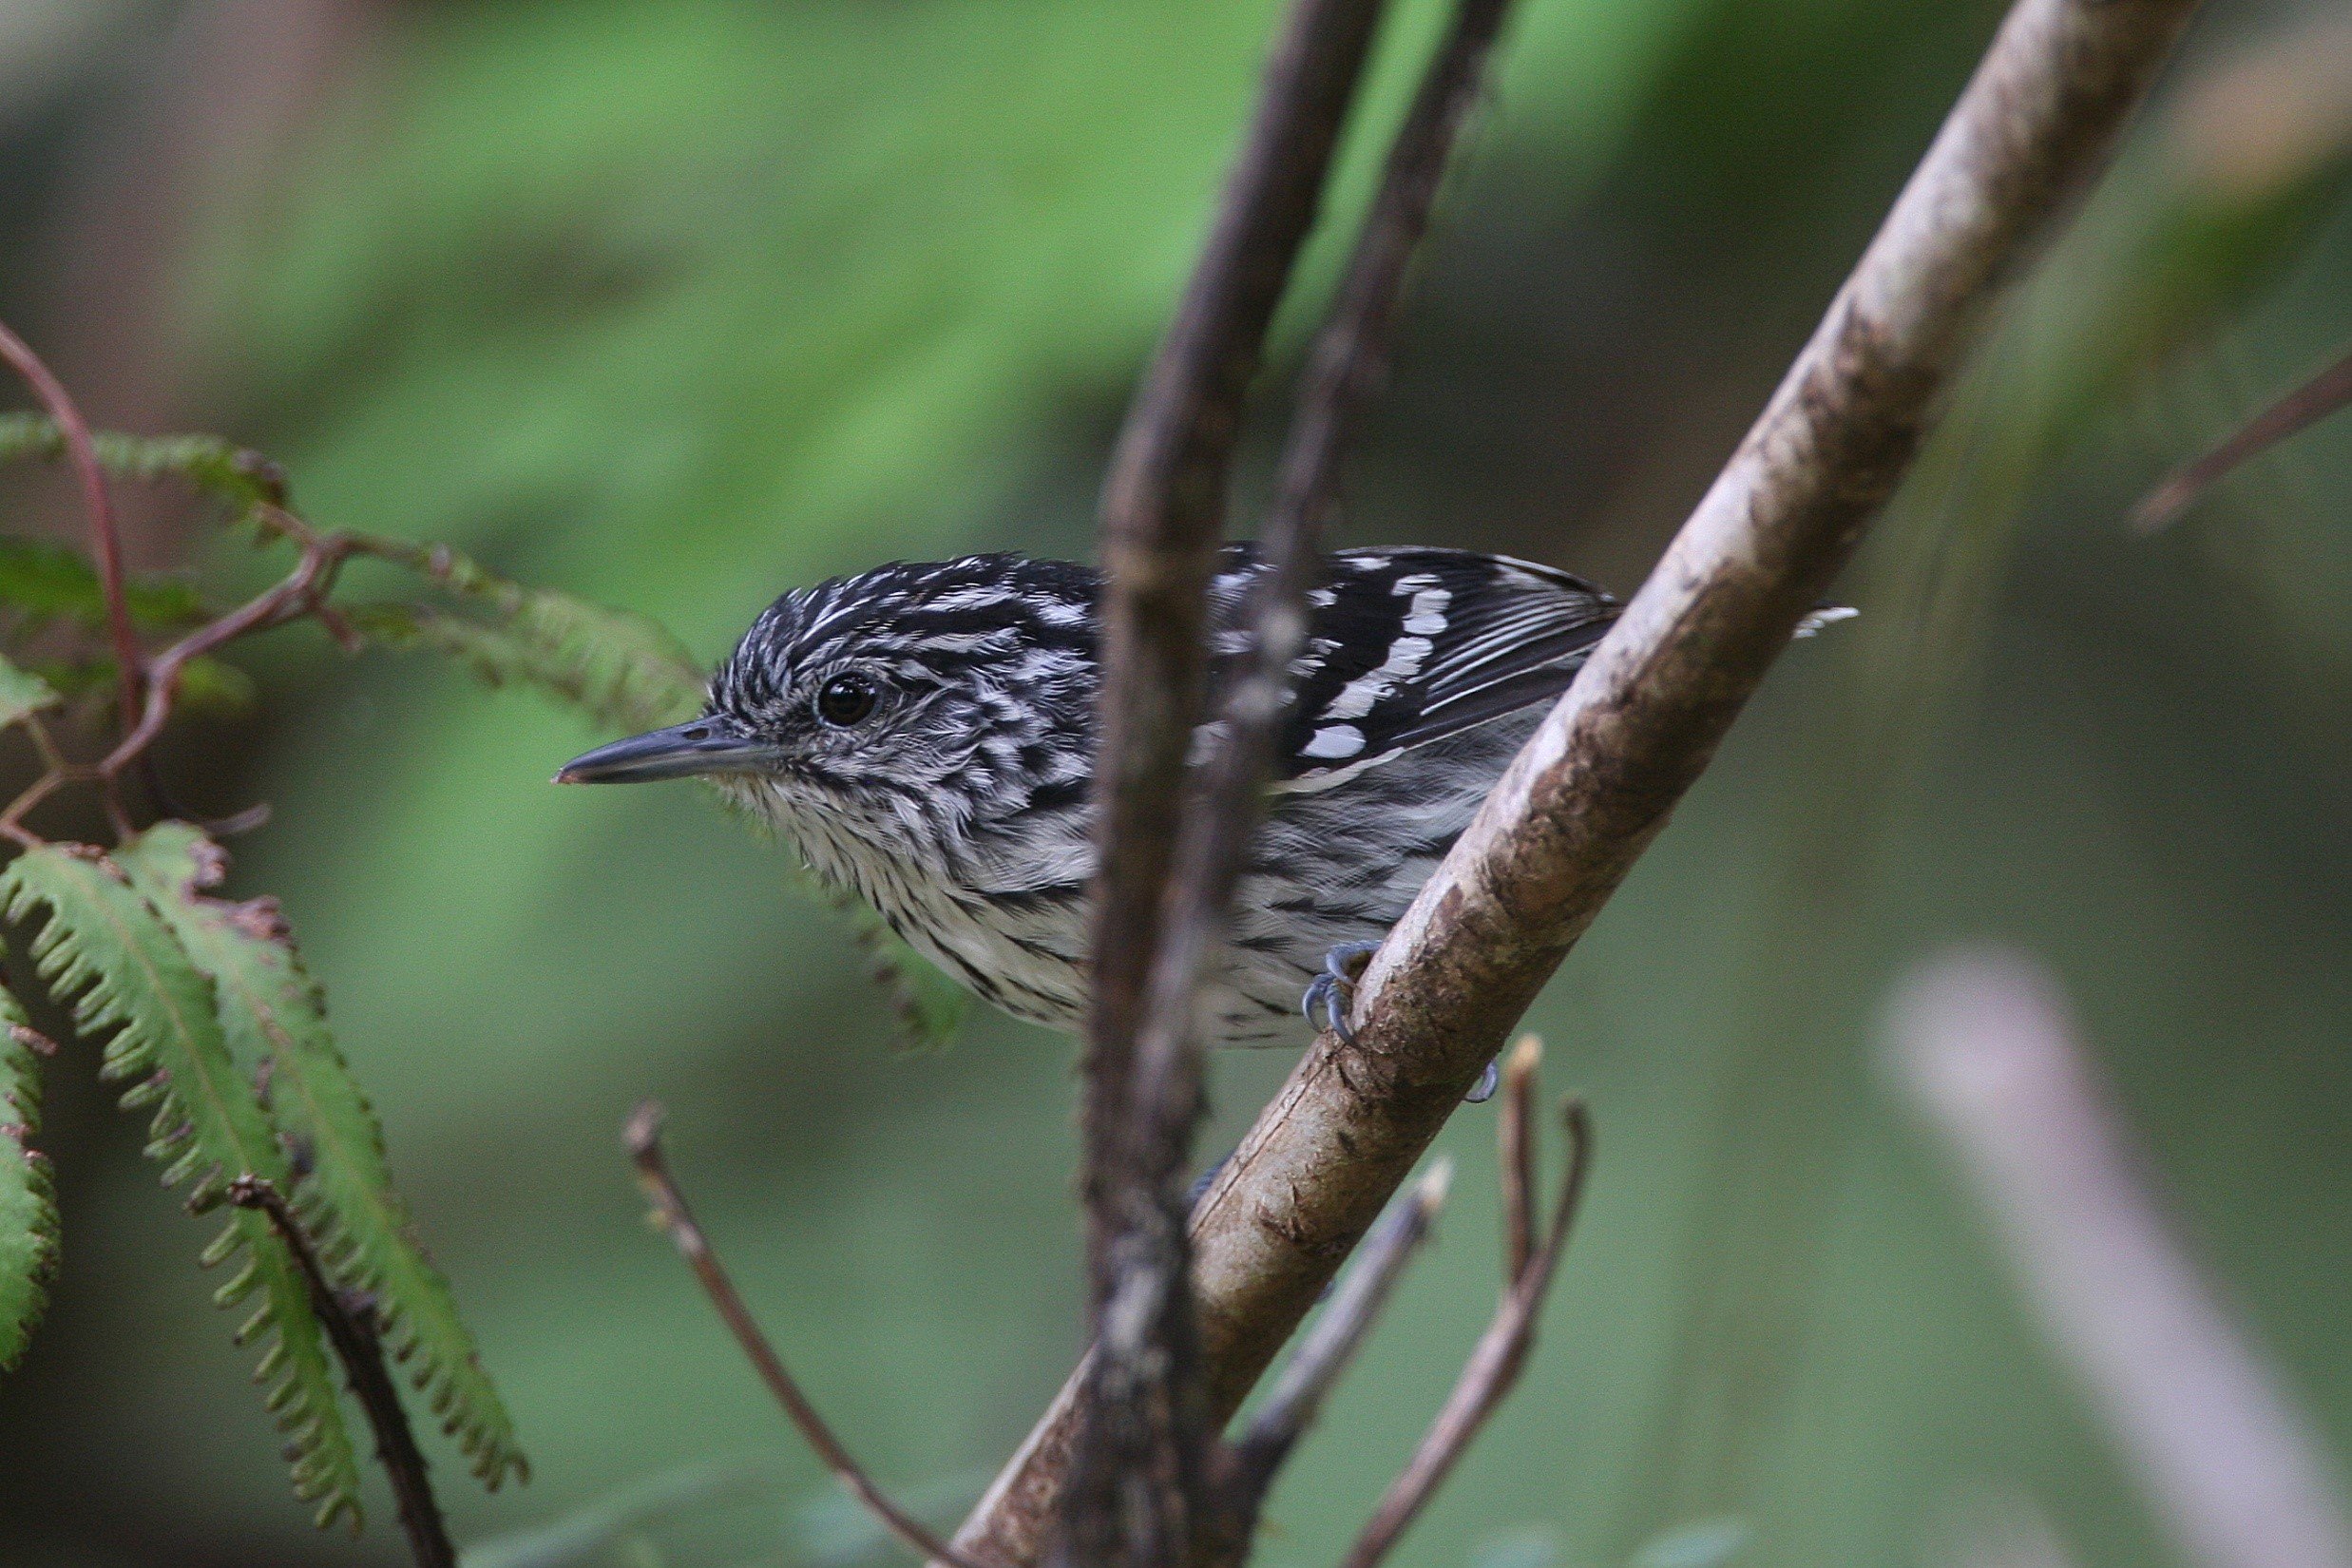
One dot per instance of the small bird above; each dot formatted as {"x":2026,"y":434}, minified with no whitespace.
{"x":924,"y":734}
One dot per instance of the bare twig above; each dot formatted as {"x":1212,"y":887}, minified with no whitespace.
{"x":1515,"y":1148}
{"x":350,"y":1322}
{"x":301,"y":592}
{"x":2306,"y":405}
{"x":1494,"y":1365}
{"x":105,"y":539}
{"x":1136,"y":1496}
{"x":1596,"y":783}
{"x":1296,"y":1398}
{"x":643,"y":1138}
{"x":1982,"y":1041}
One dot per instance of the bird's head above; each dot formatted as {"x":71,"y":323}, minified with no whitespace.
{"x":905,"y":691}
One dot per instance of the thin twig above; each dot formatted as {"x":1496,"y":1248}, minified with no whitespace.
{"x":1515,"y":1148}
{"x":643,"y":1138}
{"x":297,"y":594}
{"x":2306,"y":405}
{"x":106,"y":540}
{"x":1601,"y":774}
{"x":350,"y":1328}
{"x":1137,"y":1496}
{"x":1983,"y":1043}
{"x":1494,"y":1365}
{"x":1296,"y":1398}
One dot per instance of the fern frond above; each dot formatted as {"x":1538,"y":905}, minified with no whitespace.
{"x":928,"y":1006}
{"x":619,"y":669}
{"x":28,"y":1207}
{"x":45,"y":581}
{"x":106,"y":954}
{"x":22,"y":694}
{"x":216,"y":466}
{"x":273,"y":1011}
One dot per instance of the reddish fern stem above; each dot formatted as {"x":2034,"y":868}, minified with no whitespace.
{"x":106,"y":540}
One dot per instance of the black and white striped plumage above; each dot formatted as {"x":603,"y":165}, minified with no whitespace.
{"x":924,"y":733}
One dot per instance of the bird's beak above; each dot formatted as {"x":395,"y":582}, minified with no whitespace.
{"x":683,"y":751}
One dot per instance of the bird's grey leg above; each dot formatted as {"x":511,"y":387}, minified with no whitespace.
{"x":1333,"y":991}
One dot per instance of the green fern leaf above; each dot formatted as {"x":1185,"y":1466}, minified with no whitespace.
{"x":105,"y":952}
{"x":27,"y":1208}
{"x":46,"y":582}
{"x":22,"y":694}
{"x":928,"y":1006}
{"x":273,"y":1011}
{"x":615,"y":668}
{"x":216,"y":466}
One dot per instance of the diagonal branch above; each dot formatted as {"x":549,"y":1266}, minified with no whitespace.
{"x":2306,"y":405}
{"x":1501,"y":1351}
{"x":644,"y":1138}
{"x":1982,"y":1042}
{"x":1296,"y":1398}
{"x":1596,"y":782}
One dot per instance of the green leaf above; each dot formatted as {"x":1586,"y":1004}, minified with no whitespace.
{"x":48,"y":582}
{"x":27,"y":1208}
{"x":620,"y":669}
{"x":930,"y":1007}
{"x":272,"y":1011}
{"x":216,"y":466}
{"x":22,"y":694}
{"x":104,"y":952}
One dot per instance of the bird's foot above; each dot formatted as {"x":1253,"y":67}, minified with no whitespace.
{"x":1335,"y":990}
{"x":1483,"y":1090}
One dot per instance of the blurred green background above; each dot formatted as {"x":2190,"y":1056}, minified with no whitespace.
{"x":676,"y":303}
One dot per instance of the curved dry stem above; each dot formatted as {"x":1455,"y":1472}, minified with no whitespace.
{"x":643,"y":1140}
{"x":105,"y":539}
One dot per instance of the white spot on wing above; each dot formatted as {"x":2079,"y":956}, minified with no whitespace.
{"x":1334,"y":741}
{"x":1427,"y":617}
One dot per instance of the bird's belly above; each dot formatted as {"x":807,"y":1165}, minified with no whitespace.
{"x":1326,"y":869}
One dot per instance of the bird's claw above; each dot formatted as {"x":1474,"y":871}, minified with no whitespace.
{"x":1335,"y":990}
{"x":1483,"y":1090}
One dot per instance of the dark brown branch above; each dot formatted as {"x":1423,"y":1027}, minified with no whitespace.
{"x":351,"y":1329}
{"x":2306,"y":405}
{"x":1137,"y":1496}
{"x":1596,"y":782}
{"x":1345,"y":366}
{"x":106,"y":540}
{"x":643,"y":1138}
{"x":1495,"y":1365}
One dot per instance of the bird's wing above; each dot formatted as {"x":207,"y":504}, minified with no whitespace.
{"x":1407,"y":646}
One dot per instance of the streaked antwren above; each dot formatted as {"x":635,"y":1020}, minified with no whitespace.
{"x":924,"y":733}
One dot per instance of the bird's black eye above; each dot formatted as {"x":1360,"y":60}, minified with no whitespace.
{"x":845,"y":700}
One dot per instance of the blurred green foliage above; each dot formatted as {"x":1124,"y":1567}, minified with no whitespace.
{"x":676,"y":305}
